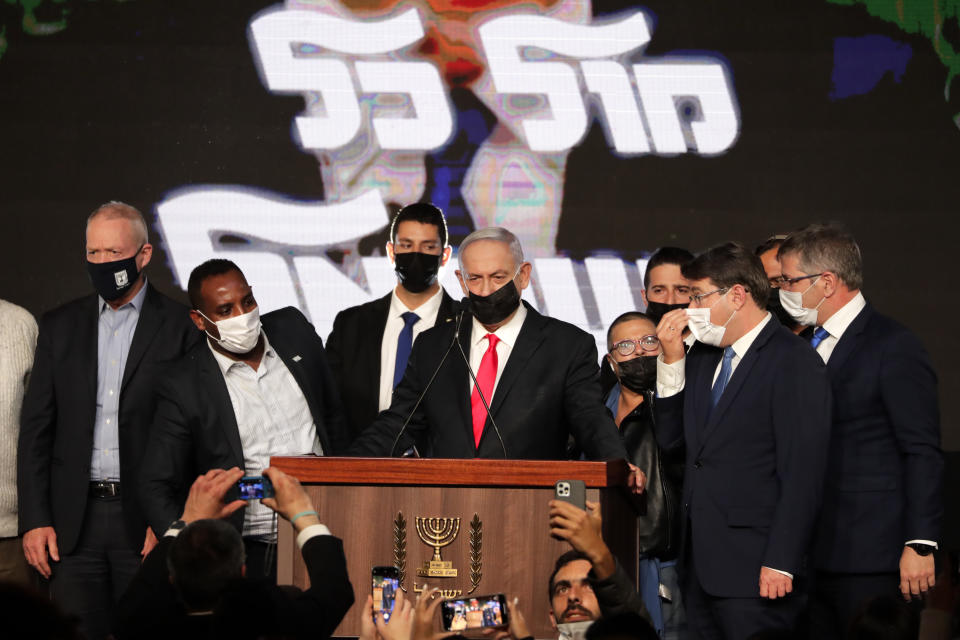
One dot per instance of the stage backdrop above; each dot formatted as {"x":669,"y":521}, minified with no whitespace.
{"x":282,"y":136}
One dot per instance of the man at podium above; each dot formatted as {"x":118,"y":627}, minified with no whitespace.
{"x":499,"y":380}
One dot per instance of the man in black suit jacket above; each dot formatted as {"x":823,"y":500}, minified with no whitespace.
{"x":237,"y":398}
{"x":85,"y":421}
{"x":369,"y":345}
{"x":193,"y":584}
{"x":538,"y":375}
{"x":750,"y":402}
{"x":884,"y":503}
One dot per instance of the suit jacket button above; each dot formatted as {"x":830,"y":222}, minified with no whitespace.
{"x":698,"y":464}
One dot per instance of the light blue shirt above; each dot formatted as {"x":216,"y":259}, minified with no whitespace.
{"x":115,"y":330}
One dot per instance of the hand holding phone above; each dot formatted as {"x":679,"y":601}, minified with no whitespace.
{"x":255,"y":487}
{"x":385,"y":585}
{"x":572,"y":491}
{"x":475,"y":612}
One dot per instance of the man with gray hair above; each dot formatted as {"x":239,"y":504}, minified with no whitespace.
{"x":532,"y":381}
{"x":85,"y":420}
{"x":883,"y":503}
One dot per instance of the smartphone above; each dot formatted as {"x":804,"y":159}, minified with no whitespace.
{"x":255,"y":487}
{"x":475,"y":612}
{"x":572,"y":491}
{"x":386,"y":583}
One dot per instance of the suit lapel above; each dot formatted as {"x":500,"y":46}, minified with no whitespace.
{"x":528,"y":341}
{"x":738,"y":378}
{"x":88,"y":334}
{"x":461,"y":378}
{"x":287,"y":353}
{"x":212,"y":378}
{"x":445,"y":313}
{"x":849,"y":341}
{"x":147,"y":326}
{"x":702,"y":384}
{"x":374,"y":324}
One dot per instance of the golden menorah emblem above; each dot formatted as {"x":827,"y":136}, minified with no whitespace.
{"x":437,"y":533}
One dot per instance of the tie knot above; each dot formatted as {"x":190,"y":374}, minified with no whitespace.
{"x":409,"y":318}
{"x":728,"y":353}
{"x":820,"y":333}
{"x":493,"y":340}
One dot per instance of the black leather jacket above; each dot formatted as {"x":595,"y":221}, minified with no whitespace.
{"x":659,"y":526}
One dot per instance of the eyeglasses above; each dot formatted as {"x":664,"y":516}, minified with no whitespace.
{"x":697,"y":298}
{"x":776,"y":282}
{"x":782,"y":281}
{"x":629,"y":346}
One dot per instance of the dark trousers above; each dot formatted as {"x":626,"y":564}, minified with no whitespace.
{"x":261,"y":560}
{"x":714,"y":618}
{"x":88,"y":582}
{"x":837,"y":598}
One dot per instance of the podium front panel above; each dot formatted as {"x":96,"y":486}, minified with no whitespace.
{"x":465,"y":540}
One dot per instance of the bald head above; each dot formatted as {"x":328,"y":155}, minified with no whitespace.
{"x":122,"y":211}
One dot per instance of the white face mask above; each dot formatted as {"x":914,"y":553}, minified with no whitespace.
{"x":704,"y":330}
{"x":792,"y":302}
{"x":573,"y":630}
{"x":238,"y":334}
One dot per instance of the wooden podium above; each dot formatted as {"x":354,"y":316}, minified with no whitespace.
{"x":490,"y":516}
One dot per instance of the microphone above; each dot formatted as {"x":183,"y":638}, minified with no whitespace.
{"x":459,"y":307}
{"x":466,"y":361}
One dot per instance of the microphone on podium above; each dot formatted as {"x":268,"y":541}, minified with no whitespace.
{"x":458,"y":308}
{"x":463,"y":303}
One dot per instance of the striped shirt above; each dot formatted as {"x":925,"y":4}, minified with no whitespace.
{"x":273,"y":418}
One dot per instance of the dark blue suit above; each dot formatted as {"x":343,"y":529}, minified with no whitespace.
{"x":885,"y":467}
{"x":755,"y":472}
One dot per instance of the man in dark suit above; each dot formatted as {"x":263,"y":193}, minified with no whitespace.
{"x":884,"y":503}
{"x":249,"y":391}
{"x":193,"y":584}
{"x":370,"y":344}
{"x":750,"y":402}
{"x":538,"y":375}
{"x":85,"y":421}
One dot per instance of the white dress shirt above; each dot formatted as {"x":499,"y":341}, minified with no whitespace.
{"x":273,"y":418}
{"x":671,"y":378}
{"x":391,"y":333}
{"x":508,"y":338}
{"x":836,"y":325}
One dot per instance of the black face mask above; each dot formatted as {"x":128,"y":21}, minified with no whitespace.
{"x":775,"y":307}
{"x":417,"y":271}
{"x":656,"y":310}
{"x":640,"y":374}
{"x":113,"y":279}
{"x":495,"y":308}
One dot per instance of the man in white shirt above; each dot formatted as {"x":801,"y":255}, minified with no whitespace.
{"x":884,"y":502}
{"x":256,"y":387}
{"x":370,"y":344}
{"x":750,"y":403}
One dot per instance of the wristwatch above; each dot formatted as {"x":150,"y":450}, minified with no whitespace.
{"x":922,"y":549}
{"x":175,"y":528}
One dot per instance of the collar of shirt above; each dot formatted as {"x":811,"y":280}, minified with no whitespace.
{"x":743,"y":343}
{"x":136,"y":303}
{"x":507,"y":333}
{"x":844,"y":316}
{"x":226,"y":363}
{"x":428,"y":309}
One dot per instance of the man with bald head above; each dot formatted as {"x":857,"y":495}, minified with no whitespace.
{"x":538,"y":376}
{"x":85,"y":421}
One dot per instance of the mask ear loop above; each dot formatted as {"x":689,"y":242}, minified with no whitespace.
{"x":217,"y":340}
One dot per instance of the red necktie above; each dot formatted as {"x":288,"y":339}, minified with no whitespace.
{"x":486,"y":376}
